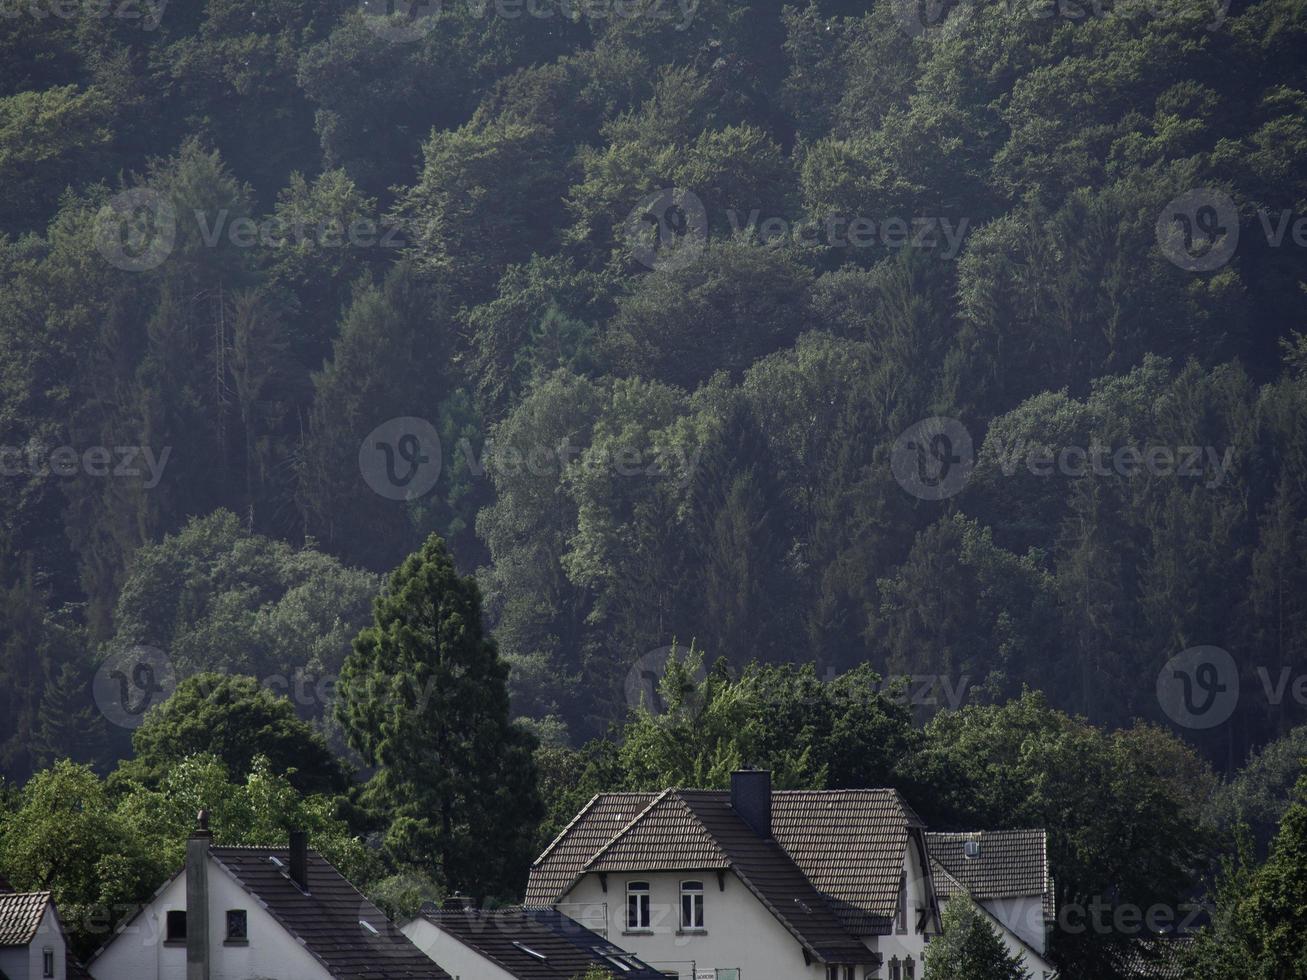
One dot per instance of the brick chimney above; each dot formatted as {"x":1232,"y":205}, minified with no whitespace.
{"x":299,"y":859}
{"x":751,"y":798}
{"x":197,"y":899}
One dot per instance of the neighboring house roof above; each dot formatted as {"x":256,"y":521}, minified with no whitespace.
{"x":830,"y":873}
{"x":344,"y":931}
{"x":537,"y":944}
{"x":20,"y":916}
{"x":1010,"y":864}
{"x":1154,"y":958}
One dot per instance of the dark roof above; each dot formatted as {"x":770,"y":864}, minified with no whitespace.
{"x":344,"y":931}
{"x":537,"y":944}
{"x":20,"y":916}
{"x":1154,"y":958}
{"x":1011,"y":864}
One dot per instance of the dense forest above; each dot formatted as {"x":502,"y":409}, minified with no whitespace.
{"x":946,"y":355}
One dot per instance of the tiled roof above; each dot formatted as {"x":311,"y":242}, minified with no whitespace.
{"x":665,"y":836}
{"x":330,"y":919}
{"x":1011,"y":864}
{"x":537,"y":944}
{"x":20,"y":916}
{"x":1154,"y":958}
{"x":597,"y":823}
{"x":850,"y":844}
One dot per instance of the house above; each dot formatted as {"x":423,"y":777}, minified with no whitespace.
{"x":279,"y":913}
{"x":32,"y":940}
{"x":1006,"y":873}
{"x":749,"y":884}
{"x":518,"y":944}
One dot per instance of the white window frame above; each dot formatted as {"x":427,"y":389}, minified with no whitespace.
{"x":694,"y":891}
{"x":638,"y":906}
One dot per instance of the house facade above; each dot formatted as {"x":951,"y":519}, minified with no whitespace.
{"x":232,"y":913}
{"x":753,"y":884}
{"x":32,"y":942}
{"x":749,"y":884}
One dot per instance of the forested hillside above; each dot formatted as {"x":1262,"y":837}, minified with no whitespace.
{"x":960,"y":344}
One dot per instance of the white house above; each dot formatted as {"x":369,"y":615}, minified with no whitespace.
{"x":32,"y":942}
{"x":749,"y":884}
{"x":1006,"y":874}
{"x":232,"y":913}
{"x":518,"y":944}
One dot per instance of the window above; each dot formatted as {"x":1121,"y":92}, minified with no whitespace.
{"x":637,"y":905}
{"x":909,"y":968}
{"x":692,"y":905}
{"x":47,"y":962}
{"x":895,"y":969}
{"x":902,"y":924}
{"x":176,"y":926}
{"x":238,"y":926}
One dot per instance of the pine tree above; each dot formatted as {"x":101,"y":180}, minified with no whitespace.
{"x":424,"y":698}
{"x":970,"y":948}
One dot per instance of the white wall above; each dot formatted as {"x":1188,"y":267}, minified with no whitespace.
{"x":450,"y":954}
{"x":139,"y":952}
{"x":739,"y":930}
{"x":23,"y":962}
{"x":911,"y":943}
{"x":1024,"y":918}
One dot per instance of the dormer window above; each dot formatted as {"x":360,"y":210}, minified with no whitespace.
{"x":692,"y":905}
{"x":637,"y":905}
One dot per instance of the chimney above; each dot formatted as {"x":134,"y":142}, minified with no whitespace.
{"x":457,"y":903}
{"x":751,"y":798}
{"x":299,"y":859}
{"x":197,"y":899}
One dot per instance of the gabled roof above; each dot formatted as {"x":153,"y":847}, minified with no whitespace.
{"x":1011,"y":864}
{"x":667,"y":835}
{"x":537,"y":944}
{"x":561,"y":862}
{"x":947,"y":886}
{"x":20,"y":916}
{"x":1158,"y":957}
{"x":344,"y":931}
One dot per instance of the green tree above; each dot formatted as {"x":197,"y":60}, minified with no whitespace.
{"x":235,"y":719}
{"x":970,"y":948}
{"x":423,"y":697}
